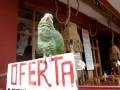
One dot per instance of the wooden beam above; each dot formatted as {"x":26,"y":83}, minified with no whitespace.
{"x":33,"y":35}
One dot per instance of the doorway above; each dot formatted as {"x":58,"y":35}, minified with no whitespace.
{"x":104,"y":45}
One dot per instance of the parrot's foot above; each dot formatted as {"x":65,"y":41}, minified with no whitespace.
{"x":50,"y":58}
{"x":47,"y":59}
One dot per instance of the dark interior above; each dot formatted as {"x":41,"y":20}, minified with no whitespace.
{"x":104,"y":45}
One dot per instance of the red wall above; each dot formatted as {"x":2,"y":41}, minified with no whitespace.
{"x":8,"y":27}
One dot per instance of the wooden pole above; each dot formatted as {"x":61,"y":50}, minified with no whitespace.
{"x":33,"y":35}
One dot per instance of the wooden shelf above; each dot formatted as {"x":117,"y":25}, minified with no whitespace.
{"x":112,"y":80}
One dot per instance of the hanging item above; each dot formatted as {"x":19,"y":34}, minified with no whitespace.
{"x":96,"y":30}
{"x":68,"y":13}
{"x":23,"y":41}
{"x":114,"y":53}
{"x":78,"y":2}
{"x":72,"y":38}
{"x":87,"y":50}
{"x":114,"y":57}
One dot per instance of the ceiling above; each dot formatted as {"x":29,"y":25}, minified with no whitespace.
{"x":100,"y":10}
{"x":113,"y":6}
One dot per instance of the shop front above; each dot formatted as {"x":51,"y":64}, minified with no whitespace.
{"x":89,"y":38}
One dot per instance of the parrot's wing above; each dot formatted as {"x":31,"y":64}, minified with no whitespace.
{"x":59,"y":41}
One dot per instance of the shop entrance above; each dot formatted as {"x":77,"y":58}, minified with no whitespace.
{"x":104,"y":45}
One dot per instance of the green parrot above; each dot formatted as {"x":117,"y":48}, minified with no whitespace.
{"x":49,"y":40}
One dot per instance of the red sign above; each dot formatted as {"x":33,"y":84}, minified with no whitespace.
{"x":39,"y":74}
